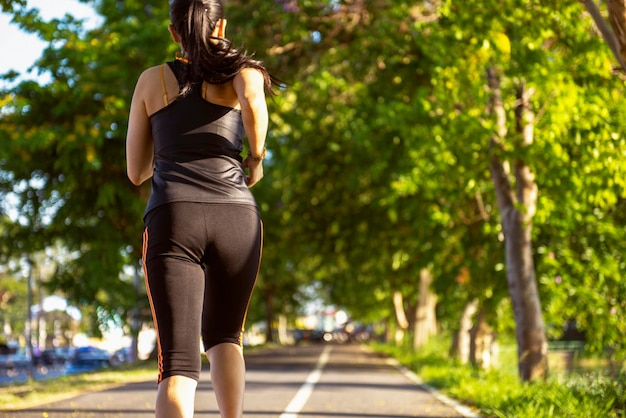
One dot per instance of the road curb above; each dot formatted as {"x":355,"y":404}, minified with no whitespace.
{"x":461,"y":409}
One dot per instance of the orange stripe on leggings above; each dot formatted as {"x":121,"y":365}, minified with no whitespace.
{"x":154,"y":318}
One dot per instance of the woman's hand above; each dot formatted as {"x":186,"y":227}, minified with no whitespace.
{"x":255,"y":170}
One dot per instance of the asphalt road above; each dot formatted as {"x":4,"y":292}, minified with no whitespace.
{"x":325,"y":381}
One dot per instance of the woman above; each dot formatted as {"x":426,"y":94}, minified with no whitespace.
{"x":203,"y":236}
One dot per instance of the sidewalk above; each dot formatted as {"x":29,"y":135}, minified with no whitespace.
{"x":132,"y":400}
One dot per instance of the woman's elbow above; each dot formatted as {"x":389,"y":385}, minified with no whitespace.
{"x":135,"y":177}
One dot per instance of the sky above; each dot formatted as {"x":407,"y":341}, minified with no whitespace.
{"x":19,"y":50}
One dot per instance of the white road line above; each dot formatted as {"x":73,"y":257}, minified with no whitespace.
{"x":298,"y":401}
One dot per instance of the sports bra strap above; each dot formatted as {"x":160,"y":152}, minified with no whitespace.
{"x":163,"y":88}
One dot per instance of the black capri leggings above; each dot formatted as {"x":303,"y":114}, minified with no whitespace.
{"x":200,"y":263}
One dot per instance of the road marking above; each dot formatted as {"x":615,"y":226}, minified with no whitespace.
{"x":298,"y":401}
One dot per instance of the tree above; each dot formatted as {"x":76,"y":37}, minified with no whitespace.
{"x":556,"y":73}
{"x":615,"y":38}
{"x":518,"y":204}
{"x":407,"y":131}
{"x":13,"y":306}
{"x":62,"y":147}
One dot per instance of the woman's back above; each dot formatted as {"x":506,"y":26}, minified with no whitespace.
{"x":197,"y":145}
{"x":221,"y":94}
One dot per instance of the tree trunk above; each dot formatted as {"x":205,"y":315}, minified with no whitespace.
{"x":617,"y":17}
{"x":483,"y":351}
{"x":401,"y":321}
{"x":283,"y":335}
{"x":461,"y":343}
{"x":269,"y":315}
{"x":425,"y":317}
{"x":517,"y":208}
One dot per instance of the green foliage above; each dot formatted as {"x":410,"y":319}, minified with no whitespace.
{"x":577,"y":154}
{"x":13,"y":306}
{"x":9,"y":5}
{"x":63,"y":145}
{"x":498,"y":393}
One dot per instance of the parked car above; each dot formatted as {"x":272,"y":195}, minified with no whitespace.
{"x":56,"y":356}
{"x":309,"y":335}
{"x":122,"y":355}
{"x":12,"y":359}
{"x":87,"y":359}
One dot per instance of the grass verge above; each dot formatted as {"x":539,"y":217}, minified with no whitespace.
{"x":499,"y":393}
{"x":33,"y":393}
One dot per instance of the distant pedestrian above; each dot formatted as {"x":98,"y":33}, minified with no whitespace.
{"x":203,"y":236}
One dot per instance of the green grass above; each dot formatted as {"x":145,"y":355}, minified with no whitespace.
{"x":24,"y":395}
{"x":499,"y":392}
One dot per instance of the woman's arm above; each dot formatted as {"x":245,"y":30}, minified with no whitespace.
{"x":139,"y":145}
{"x":249,"y":87}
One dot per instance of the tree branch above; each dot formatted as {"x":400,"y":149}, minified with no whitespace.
{"x":617,"y":48}
{"x":499,"y":170}
{"x":524,"y":177}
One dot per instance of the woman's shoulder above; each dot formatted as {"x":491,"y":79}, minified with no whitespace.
{"x":250,"y":72}
{"x":152,"y":72}
{"x":153,"y":84}
{"x":250,"y":77}
{"x":155,"y":75}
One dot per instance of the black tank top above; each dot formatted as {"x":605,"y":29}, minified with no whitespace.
{"x":197,"y":147}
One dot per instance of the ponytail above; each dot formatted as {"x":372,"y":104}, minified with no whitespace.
{"x":211,"y":59}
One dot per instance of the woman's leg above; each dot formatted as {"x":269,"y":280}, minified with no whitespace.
{"x":228,"y":375}
{"x":232,"y":265}
{"x":176,"y":397}
{"x":175,"y":285}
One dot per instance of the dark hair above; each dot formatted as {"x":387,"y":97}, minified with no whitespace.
{"x":212,"y":59}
